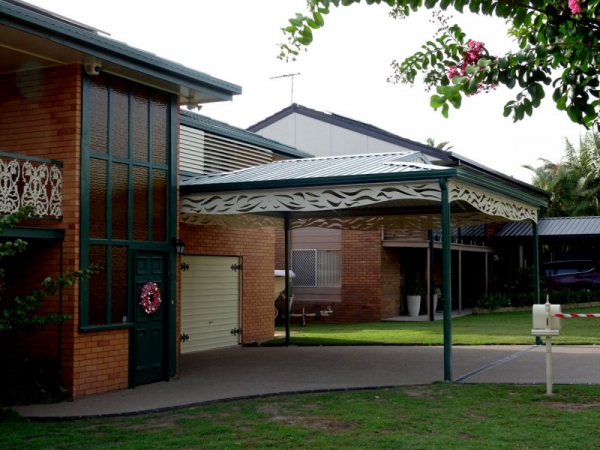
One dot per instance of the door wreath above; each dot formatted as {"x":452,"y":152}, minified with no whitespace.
{"x":150,"y":298}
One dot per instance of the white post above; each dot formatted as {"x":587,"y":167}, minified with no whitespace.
{"x":548,"y":350}
{"x":548,"y":365}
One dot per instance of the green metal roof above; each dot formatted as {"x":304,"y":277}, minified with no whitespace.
{"x":356,"y":169}
{"x":37,"y":21}
{"x":324,"y":170}
{"x":207,"y":124}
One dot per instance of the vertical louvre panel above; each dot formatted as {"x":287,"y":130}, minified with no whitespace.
{"x":159,"y":205}
{"x":97,"y":286}
{"x":118,"y":283}
{"x":140,"y":124}
{"x":304,"y":266}
{"x":159,"y":128}
{"x":98,"y":199}
{"x":140,"y":203}
{"x":329,"y":268}
{"x":120,"y":119}
{"x":120,"y":188}
{"x":99,"y":120}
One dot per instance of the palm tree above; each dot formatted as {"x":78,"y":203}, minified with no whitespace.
{"x":573,"y":182}
{"x":441,"y":146}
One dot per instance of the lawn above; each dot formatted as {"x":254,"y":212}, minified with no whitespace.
{"x":487,"y":329}
{"x":438,"y":416}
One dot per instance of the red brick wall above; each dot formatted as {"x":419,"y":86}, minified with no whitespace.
{"x":362,"y":289}
{"x":40,"y":115}
{"x":370,"y":282}
{"x":256,"y":248}
{"x":280,"y":249}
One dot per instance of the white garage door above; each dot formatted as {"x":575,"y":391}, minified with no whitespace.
{"x":210,"y":302}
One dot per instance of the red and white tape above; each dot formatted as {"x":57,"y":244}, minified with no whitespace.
{"x":574,"y":316}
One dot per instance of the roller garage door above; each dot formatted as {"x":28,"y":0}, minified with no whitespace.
{"x":210,"y":302}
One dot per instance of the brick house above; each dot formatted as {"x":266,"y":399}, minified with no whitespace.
{"x":89,"y":132}
{"x":374,"y":268}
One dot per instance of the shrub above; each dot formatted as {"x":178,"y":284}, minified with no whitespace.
{"x":25,"y":381}
{"x":566,"y":297}
{"x":493,"y":301}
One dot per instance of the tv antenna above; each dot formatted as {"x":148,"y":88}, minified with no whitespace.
{"x":292,"y":75}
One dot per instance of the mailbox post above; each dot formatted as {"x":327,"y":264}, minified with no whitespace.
{"x":546,"y":324}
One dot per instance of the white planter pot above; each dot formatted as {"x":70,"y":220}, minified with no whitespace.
{"x":414,"y":305}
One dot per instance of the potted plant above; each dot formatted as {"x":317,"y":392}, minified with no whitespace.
{"x":437,"y":293}
{"x":413,"y":298}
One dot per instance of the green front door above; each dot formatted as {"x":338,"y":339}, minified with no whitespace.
{"x":149,"y":345}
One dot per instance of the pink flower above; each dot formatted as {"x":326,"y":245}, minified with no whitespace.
{"x":453,"y":72}
{"x":476,"y":46}
{"x":574,"y":6}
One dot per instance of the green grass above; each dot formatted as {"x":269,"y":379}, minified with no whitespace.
{"x":487,"y":329}
{"x":438,"y":416}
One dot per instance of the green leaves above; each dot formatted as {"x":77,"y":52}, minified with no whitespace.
{"x":20,"y":312}
{"x":551,"y":41}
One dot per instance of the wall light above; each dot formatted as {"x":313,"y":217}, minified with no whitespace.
{"x":179,"y":246}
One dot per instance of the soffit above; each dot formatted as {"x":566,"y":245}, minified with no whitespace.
{"x":26,"y":46}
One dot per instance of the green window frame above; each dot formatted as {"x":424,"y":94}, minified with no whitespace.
{"x":122,"y":130}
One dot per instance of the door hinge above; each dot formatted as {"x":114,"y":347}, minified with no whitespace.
{"x":236,"y":267}
{"x":185,"y":267}
{"x":236,"y":331}
{"x":184,"y":337}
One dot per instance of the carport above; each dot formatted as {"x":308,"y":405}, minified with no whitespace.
{"x":401,"y":190}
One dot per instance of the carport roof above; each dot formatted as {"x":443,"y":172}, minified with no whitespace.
{"x":363,"y":189}
{"x":555,"y":227}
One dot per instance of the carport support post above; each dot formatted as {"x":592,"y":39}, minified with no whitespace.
{"x":286,"y":227}
{"x":430,"y":282}
{"x":446,"y":280}
{"x":536,"y":270}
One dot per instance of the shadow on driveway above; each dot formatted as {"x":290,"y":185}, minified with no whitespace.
{"x":243,"y":372}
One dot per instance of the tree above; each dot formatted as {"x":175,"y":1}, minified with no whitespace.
{"x":558,"y":42}
{"x":18,"y":313}
{"x":573,"y":182}
{"x":444,"y":145}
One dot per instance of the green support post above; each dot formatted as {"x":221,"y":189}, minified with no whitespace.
{"x":446,"y":280}
{"x":286,"y":222}
{"x":536,"y":271}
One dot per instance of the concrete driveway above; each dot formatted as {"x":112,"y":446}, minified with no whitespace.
{"x":241,"y":372}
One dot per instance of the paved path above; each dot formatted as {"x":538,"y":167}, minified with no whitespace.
{"x":253,"y":371}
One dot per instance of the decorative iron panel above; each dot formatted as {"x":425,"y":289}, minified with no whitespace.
{"x":30,"y":183}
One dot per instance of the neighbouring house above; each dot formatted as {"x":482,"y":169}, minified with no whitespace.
{"x":329,"y":263}
{"x":89,"y":131}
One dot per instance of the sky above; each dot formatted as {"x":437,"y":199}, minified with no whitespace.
{"x":344,"y":70}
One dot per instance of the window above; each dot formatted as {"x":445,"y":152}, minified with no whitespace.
{"x":317,"y":268}
{"x":127,"y":152}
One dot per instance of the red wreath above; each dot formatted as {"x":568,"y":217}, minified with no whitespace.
{"x":150,"y":298}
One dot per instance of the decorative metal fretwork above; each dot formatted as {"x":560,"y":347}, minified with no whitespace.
{"x":30,"y":183}
{"x":492,"y":204}
{"x":243,"y":209}
{"x":240,"y":221}
{"x":308,"y":199}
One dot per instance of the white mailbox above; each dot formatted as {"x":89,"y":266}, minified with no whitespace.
{"x":544,"y":321}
